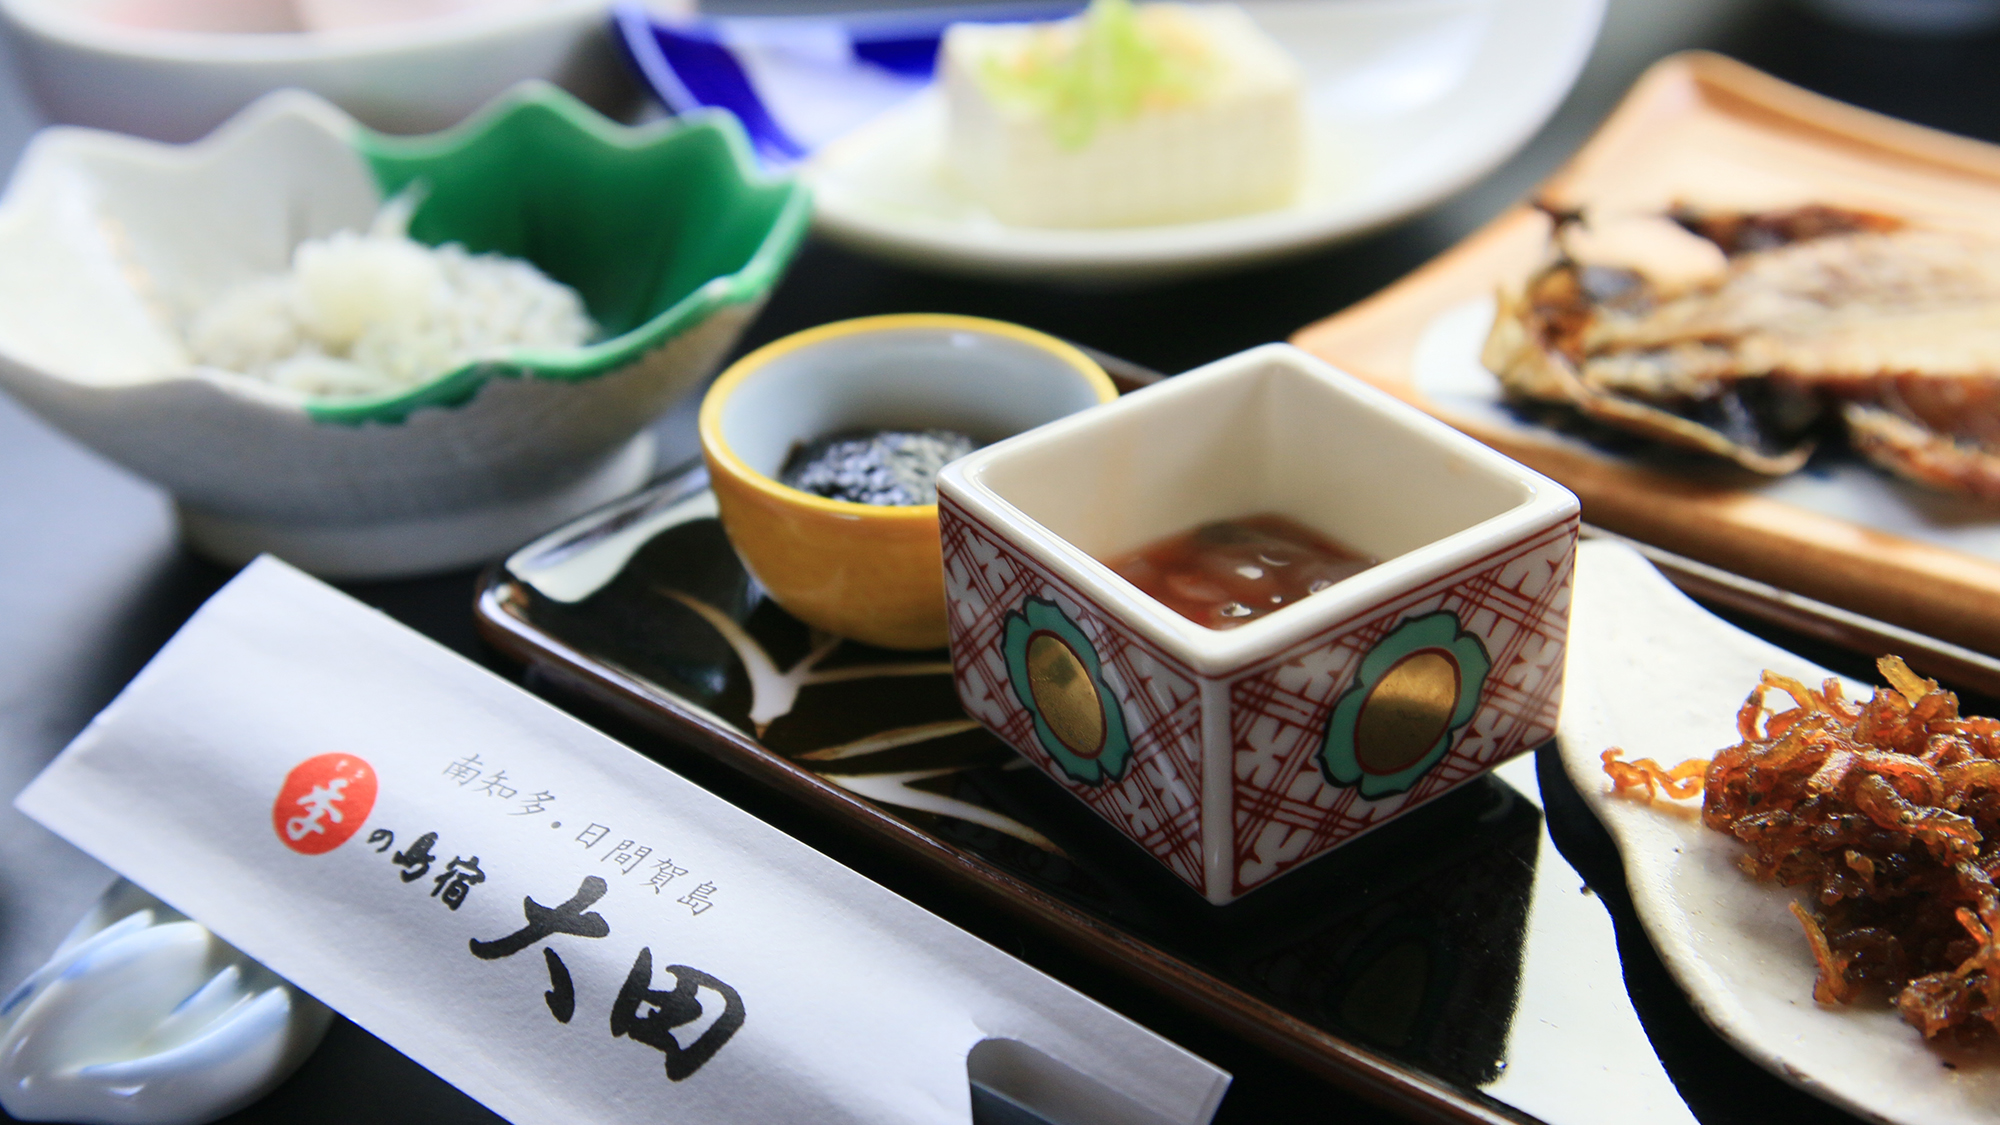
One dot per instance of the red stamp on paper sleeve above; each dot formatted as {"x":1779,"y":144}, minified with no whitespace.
{"x":323,"y":802}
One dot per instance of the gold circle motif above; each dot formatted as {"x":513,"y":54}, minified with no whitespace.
{"x":1406,"y":713}
{"x":1065,"y":696}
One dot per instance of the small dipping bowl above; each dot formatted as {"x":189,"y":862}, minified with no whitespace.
{"x":869,"y":572}
{"x":1233,"y":756}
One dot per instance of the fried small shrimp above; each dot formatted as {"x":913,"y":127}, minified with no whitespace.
{"x":1683,"y":780}
{"x":1887,"y":812}
{"x":1832,"y":985}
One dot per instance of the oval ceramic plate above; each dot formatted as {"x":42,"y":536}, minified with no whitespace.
{"x":1654,"y":673}
{"x":1409,"y":100}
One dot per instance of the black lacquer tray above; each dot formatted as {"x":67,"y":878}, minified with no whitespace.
{"x":1442,"y":965}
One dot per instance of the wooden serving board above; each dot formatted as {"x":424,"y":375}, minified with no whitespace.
{"x":1704,"y":129}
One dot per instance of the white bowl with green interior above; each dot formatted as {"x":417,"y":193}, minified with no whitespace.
{"x":108,"y":244}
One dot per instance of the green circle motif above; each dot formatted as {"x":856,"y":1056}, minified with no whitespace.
{"x":1045,"y":650}
{"x":1422,"y":646}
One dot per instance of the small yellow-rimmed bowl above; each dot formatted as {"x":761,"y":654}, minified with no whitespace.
{"x":872,"y":573}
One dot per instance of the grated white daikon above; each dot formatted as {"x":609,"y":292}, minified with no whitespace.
{"x":367,"y":313}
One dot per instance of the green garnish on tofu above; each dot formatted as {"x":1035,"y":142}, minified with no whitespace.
{"x":1106,"y":66}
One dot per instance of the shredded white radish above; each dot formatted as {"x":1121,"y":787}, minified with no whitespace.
{"x":366,"y":313}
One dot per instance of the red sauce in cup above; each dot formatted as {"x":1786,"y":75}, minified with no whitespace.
{"x":1224,"y":574}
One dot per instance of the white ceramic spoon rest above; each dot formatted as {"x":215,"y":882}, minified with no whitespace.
{"x":143,"y":1017}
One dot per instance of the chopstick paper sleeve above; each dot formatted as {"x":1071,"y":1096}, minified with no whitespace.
{"x":559,"y":927}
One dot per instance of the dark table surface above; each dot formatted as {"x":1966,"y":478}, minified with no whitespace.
{"x":92,"y":580}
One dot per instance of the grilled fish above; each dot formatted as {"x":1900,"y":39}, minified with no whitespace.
{"x":1797,"y":323}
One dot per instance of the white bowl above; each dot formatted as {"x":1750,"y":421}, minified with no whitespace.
{"x":108,"y":243}
{"x":1233,"y":756}
{"x":413,"y":77}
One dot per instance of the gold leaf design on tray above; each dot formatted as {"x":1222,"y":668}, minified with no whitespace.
{"x":889,"y":740}
{"x":774,"y":691}
{"x":897,"y":789}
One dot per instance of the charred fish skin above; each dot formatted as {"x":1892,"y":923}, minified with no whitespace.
{"x":1810,"y":315}
{"x":1741,"y":232}
{"x":1541,"y":349}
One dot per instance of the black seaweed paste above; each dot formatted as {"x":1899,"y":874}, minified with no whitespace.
{"x":887,"y":467}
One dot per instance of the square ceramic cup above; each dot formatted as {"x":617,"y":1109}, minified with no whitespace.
{"x":1235,"y":755}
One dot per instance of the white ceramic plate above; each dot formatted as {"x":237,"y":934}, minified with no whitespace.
{"x":1654,"y":673}
{"x":1409,"y":101}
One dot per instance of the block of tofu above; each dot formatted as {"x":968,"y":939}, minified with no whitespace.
{"x":1123,"y":116}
